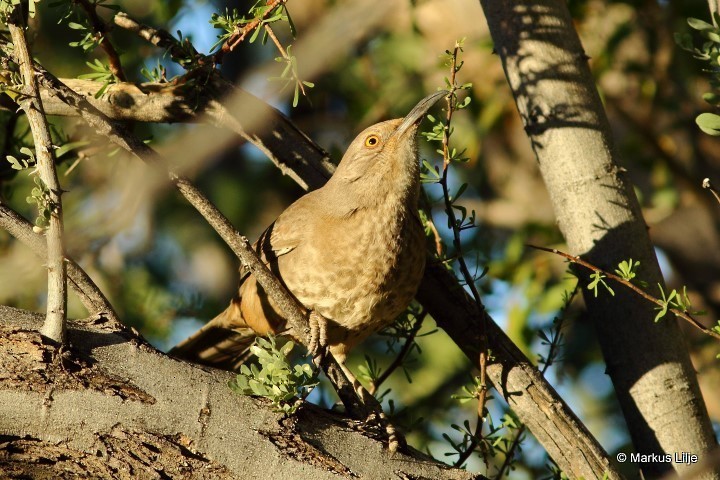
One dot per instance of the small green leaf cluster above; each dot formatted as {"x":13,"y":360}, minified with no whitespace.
{"x":677,"y":300}
{"x":7,"y":6}
{"x":101,"y":73}
{"x":184,"y":53}
{"x":158,"y":74}
{"x":40,"y":195}
{"x":290,"y":75}
{"x":90,"y":38}
{"x":11,"y":82}
{"x":627,"y":270}
{"x":22,"y":163}
{"x":275,"y":378}
{"x":233,"y":22}
{"x":598,"y":278}
{"x":504,"y":438}
{"x":470,"y":392}
{"x":708,"y":52}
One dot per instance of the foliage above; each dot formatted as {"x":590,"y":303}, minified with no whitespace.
{"x":276,"y":378}
{"x":708,"y":52}
{"x":101,"y":73}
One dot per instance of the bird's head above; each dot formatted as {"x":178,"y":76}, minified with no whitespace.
{"x":386,"y":150}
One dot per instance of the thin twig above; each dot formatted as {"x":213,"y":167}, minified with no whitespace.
{"x":551,"y":355}
{"x":55,"y":321}
{"x":469,"y":280}
{"x":160,"y":38}
{"x":402,"y":354}
{"x":237,"y":37}
{"x":100,"y":28}
{"x":285,"y":55}
{"x":90,"y":295}
{"x":709,"y":186}
{"x":678,"y":313}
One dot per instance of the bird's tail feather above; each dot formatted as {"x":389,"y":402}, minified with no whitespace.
{"x":217,"y":346}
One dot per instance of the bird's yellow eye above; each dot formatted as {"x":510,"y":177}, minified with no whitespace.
{"x":372,"y":141}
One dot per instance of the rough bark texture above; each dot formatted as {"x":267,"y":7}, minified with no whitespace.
{"x":113,"y":407}
{"x":600,"y":217}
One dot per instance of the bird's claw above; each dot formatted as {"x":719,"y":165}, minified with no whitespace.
{"x":318,"y":336}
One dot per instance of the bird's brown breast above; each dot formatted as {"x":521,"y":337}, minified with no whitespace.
{"x":360,"y":271}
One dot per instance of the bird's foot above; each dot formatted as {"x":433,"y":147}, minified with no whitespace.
{"x":318,"y":336}
{"x":395,"y":439}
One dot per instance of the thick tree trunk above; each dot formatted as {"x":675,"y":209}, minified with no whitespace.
{"x":114,"y":407}
{"x":600,"y":217}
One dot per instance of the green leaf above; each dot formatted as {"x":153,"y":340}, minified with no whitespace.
{"x":698,"y":24}
{"x":253,"y":37}
{"x":711,"y":98}
{"x":712,"y":36}
{"x":709,"y":123}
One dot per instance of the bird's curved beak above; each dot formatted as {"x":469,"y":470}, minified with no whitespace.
{"x":416,"y":115}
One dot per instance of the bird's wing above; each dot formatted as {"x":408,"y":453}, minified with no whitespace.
{"x":288,"y":231}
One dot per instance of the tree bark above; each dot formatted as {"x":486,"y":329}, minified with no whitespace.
{"x":141,"y":414}
{"x":600,"y":217}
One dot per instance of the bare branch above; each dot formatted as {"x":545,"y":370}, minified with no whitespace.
{"x":285,"y":145}
{"x":54,"y":326}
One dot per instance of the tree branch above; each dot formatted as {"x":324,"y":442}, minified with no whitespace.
{"x":54,"y":326}
{"x":627,"y":284}
{"x":90,"y":295}
{"x":124,"y":405}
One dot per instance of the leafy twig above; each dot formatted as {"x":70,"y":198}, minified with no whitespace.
{"x":402,"y":354}
{"x":664,"y":305}
{"x":236,"y":37}
{"x":450,"y":155}
{"x":180,"y":51}
{"x":100,"y":29}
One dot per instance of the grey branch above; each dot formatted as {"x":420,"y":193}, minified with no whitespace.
{"x":54,"y":326}
{"x":133,"y":409}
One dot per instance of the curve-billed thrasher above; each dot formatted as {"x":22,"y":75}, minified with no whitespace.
{"x":352,"y":251}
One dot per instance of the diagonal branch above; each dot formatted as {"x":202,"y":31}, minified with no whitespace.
{"x":90,"y":295}
{"x":685,"y":315}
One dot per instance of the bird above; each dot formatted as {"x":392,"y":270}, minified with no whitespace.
{"x":352,"y":251}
